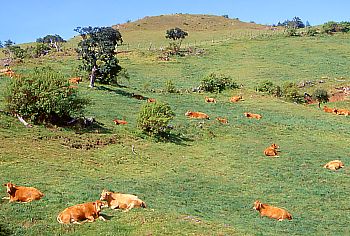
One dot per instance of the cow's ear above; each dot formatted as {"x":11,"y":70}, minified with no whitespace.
{"x":5,"y":184}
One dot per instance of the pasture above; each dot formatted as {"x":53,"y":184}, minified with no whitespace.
{"x":204,"y":179}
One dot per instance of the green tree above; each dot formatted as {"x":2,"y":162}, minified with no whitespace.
{"x":97,"y":51}
{"x":321,"y":96}
{"x":177,"y":35}
{"x":43,"y":97}
{"x":53,"y":41}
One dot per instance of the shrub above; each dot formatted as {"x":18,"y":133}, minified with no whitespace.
{"x":217,"y":83}
{"x":170,"y":87}
{"x":268,"y":87}
{"x":43,"y":97}
{"x":321,"y":96}
{"x":291,"y":93}
{"x":311,"y":31}
{"x":154,"y":118}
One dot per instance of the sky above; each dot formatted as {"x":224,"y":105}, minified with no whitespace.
{"x":26,"y":20}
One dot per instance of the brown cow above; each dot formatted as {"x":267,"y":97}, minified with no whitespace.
{"x":75,"y":80}
{"x":22,"y":194}
{"x":222,"y":120}
{"x":252,"y":115}
{"x":329,"y":110}
{"x":334,"y":165}
{"x":198,"y":115}
{"x":272,"y":150}
{"x":210,"y":100}
{"x":82,"y":212}
{"x":121,"y":201}
{"x":271,"y":211}
{"x":151,"y":100}
{"x":236,"y":98}
{"x":120,"y":122}
{"x":344,"y":112}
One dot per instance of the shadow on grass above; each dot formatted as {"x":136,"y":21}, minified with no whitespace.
{"x":83,"y":125}
{"x":173,"y":138}
{"x":107,"y":217}
{"x":122,"y":92}
{"x":4,"y":231}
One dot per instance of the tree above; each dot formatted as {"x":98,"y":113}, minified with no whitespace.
{"x":176,"y":34}
{"x":54,"y":41}
{"x":1,"y":46}
{"x":307,"y":24}
{"x":97,"y":50}
{"x":13,"y":51}
{"x":321,"y":96}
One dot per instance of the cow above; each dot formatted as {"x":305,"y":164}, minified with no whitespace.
{"x":22,"y":194}
{"x":271,"y":211}
{"x":329,"y":110}
{"x":252,"y":115}
{"x":197,"y":115}
{"x":222,"y":120}
{"x":121,"y":201}
{"x":236,"y":98}
{"x":151,"y":100}
{"x":82,"y":212}
{"x":138,"y":96}
{"x":210,"y":100}
{"x":120,"y":122}
{"x":75,"y":80}
{"x":334,"y":165}
{"x":271,"y":150}
{"x":344,"y":112}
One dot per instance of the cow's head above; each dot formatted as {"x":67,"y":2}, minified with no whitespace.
{"x":257,"y":205}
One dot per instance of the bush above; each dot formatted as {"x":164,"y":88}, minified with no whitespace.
{"x":217,"y":83}
{"x":311,"y":31}
{"x":268,"y":87}
{"x":170,"y":87}
{"x":43,"y":97}
{"x":291,"y":93}
{"x":321,"y":96}
{"x":154,"y":118}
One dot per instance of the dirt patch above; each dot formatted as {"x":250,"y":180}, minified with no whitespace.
{"x":339,"y":96}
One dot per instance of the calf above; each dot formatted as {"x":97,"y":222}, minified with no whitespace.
{"x":120,"y":122}
{"x":82,"y":212}
{"x":236,"y":98}
{"x":22,"y":194}
{"x":210,"y":100}
{"x":75,"y":80}
{"x":198,"y":115}
{"x":334,"y":165}
{"x":271,"y":211}
{"x":272,"y":150}
{"x":222,"y":120}
{"x":121,"y":201}
{"x":252,"y":115}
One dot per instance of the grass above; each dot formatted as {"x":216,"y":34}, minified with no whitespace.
{"x":205,"y":181}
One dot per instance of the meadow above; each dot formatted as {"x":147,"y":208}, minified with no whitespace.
{"x":204,"y":179}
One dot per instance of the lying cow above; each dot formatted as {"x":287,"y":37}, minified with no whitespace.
{"x":334,"y":165}
{"x":344,"y":112}
{"x":210,"y":100}
{"x":82,"y":212}
{"x":120,"y":122}
{"x":197,"y":115}
{"x":272,"y":150}
{"x":329,"y":110}
{"x":75,"y":80}
{"x":252,"y":115}
{"x":151,"y":100}
{"x":121,"y":201}
{"x":222,"y":120}
{"x":22,"y":194}
{"x":271,"y":211}
{"x":236,"y":98}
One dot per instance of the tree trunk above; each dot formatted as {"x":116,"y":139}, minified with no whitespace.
{"x":93,"y":77}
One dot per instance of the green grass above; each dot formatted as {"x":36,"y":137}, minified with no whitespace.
{"x":205,"y":181}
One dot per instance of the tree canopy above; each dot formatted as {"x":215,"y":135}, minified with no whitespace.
{"x":97,"y":51}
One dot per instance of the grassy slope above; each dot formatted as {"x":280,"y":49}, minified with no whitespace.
{"x":206,"y":182}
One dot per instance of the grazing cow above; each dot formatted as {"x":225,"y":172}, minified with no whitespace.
{"x":22,"y":194}
{"x":252,"y":115}
{"x":75,"y":80}
{"x":82,"y":212}
{"x":236,"y":98}
{"x":138,"y":96}
{"x":151,"y":100}
{"x":271,"y":211}
{"x":198,"y":115}
{"x":121,"y":201}
{"x":344,"y":112}
{"x":222,"y":120}
{"x":330,"y":110}
{"x":272,"y":150}
{"x":210,"y":100}
{"x":334,"y":165}
{"x":120,"y":122}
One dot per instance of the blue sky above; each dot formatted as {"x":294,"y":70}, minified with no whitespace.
{"x":26,"y":20}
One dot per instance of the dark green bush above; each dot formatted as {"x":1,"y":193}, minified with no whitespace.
{"x":216,"y":83}
{"x":321,"y":96}
{"x":270,"y":88}
{"x":43,"y":97}
{"x":291,"y":93}
{"x":170,"y":87}
{"x":154,"y":118}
